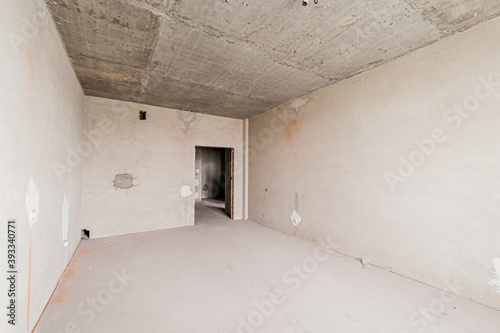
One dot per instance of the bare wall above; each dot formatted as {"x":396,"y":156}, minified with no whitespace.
{"x":42,"y":121}
{"x":398,"y":165}
{"x":159,"y":154}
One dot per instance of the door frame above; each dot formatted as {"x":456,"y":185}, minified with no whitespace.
{"x":228,"y":183}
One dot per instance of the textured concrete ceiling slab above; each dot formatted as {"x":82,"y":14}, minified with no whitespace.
{"x":452,"y":15}
{"x":230,"y":68}
{"x":236,"y":58}
{"x":193,"y":96}
{"x":100,"y":78}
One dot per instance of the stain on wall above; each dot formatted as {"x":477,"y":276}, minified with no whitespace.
{"x":289,"y":129}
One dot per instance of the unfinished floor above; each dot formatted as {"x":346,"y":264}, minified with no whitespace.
{"x":226,"y":276}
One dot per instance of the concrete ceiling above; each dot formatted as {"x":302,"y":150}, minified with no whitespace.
{"x":240,"y":58}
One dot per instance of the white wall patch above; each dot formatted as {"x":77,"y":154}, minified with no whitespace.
{"x":298,"y":103}
{"x":295,"y":218}
{"x":32,"y":199}
{"x":495,"y":281}
{"x":65,"y":220}
{"x":186,"y":191}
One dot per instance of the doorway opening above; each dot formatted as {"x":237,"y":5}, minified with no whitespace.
{"x":214,"y":183}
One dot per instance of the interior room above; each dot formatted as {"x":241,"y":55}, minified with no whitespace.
{"x":250,"y":166}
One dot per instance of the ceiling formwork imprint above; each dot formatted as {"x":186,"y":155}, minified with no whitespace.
{"x":241,"y":58}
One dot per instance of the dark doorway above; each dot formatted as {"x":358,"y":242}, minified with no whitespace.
{"x":214,"y":179}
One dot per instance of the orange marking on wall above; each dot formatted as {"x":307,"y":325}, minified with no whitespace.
{"x":29,"y":288}
{"x":289,"y":129}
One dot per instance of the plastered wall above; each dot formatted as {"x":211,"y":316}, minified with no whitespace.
{"x":397,"y":166}
{"x":42,"y":120}
{"x":159,"y":153}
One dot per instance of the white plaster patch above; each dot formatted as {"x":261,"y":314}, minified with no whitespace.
{"x":298,"y":103}
{"x":495,"y":282}
{"x":32,"y":199}
{"x":295,"y":218}
{"x":196,"y":182}
{"x":188,"y":118}
{"x":186,"y":191}
{"x":65,"y":220}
